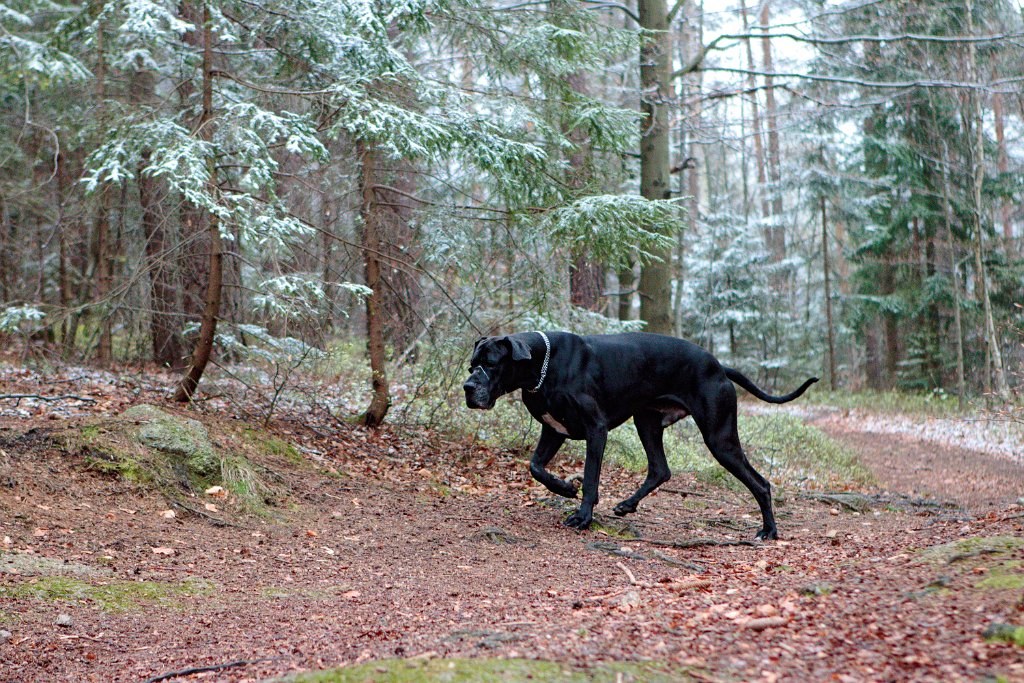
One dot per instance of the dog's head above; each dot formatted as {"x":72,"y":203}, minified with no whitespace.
{"x":492,"y":370}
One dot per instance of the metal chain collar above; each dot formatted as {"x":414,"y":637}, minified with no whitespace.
{"x":544,"y":366}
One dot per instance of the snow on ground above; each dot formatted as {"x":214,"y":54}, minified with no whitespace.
{"x":975,"y":433}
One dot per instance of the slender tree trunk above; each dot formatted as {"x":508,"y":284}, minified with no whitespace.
{"x":947,"y":212}
{"x":67,"y":332}
{"x":1002,"y":388}
{"x":101,"y":224}
{"x":370,"y":214}
{"x":827,"y":269}
{"x":1003,"y":166}
{"x":890,"y":326}
{"x":755,"y":125}
{"x":656,"y":97}
{"x":774,"y":162}
{"x":211,"y":310}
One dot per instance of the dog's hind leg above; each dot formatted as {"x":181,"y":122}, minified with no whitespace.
{"x":716,"y":418}
{"x":649,"y":426}
{"x":547,"y":447}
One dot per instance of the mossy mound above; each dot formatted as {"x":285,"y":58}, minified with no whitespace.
{"x":174,"y":435}
{"x":25,"y":564}
{"x":994,"y":547}
{"x":111,"y":596}
{"x":488,"y":670}
{"x":182,"y":458}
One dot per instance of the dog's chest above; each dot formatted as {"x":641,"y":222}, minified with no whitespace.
{"x":549,"y":419}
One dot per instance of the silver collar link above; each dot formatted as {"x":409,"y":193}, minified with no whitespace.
{"x":544,"y":366}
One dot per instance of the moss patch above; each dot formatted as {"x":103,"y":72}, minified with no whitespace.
{"x":487,"y":670}
{"x":115,"y":596}
{"x":24,"y":564}
{"x":976,"y":546}
{"x":1004,"y":576}
{"x":1005,"y":633}
{"x":272,"y":445}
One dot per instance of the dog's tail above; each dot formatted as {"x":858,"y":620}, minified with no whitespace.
{"x":741,"y":379}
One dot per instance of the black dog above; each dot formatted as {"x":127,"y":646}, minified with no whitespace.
{"x":581,"y":387}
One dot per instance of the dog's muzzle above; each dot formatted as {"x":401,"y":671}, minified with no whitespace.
{"x":478,"y":391}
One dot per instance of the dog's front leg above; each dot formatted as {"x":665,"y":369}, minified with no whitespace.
{"x":596,"y":438}
{"x":547,"y":447}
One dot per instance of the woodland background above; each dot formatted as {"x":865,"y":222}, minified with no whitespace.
{"x":269,"y":187}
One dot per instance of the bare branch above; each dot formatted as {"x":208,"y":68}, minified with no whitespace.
{"x":991,"y":86}
{"x":17,"y":398}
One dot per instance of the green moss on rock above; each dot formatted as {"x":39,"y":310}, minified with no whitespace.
{"x":176,"y":436}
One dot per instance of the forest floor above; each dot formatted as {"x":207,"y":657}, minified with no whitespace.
{"x":402,"y":554}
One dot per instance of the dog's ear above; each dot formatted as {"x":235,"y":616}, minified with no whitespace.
{"x":520,"y":351}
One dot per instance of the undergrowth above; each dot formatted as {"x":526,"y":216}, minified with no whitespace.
{"x":936,"y":403}
{"x":780,"y":446}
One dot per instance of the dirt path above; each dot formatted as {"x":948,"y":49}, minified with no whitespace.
{"x":387,"y":558}
{"x":977,"y":481}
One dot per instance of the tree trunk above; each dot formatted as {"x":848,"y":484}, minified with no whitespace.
{"x":164,"y":320}
{"x":164,"y":308}
{"x":755,"y":124}
{"x":370,"y":214}
{"x":656,"y":97}
{"x":1002,"y":388}
{"x":827,"y":268}
{"x":890,"y":326}
{"x":101,"y":224}
{"x":208,"y":324}
{"x":1003,"y":166}
{"x":947,"y":212}
{"x":192,"y":262}
{"x":586,"y":278}
{"x":776,"y":229}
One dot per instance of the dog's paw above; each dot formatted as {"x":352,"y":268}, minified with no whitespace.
{"x":767,"y":535}
{"x":624,"y":508}
{"x":580,"y":519}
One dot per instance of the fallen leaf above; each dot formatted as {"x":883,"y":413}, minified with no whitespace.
{"x":211,"y":507}
{"x":163,"y":551}
{"x":311,"y":533}
{"x":168,"y":514}
{"x":216,"y":491}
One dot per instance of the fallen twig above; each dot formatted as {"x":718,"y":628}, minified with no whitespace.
{"x":632,"y":579}
{"x":682,"y":492}
{"x":203,"y":669}
{"x":216,"y":521}
{"x":687,"y":543}
{"x":17,"y":398}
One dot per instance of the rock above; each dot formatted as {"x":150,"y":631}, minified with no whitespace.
{"x":629,"y":601}
{"x":175,"y":435}
{"x":819,"y":588}
{"x":5,"y":635}
{"x":64,"y":620}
